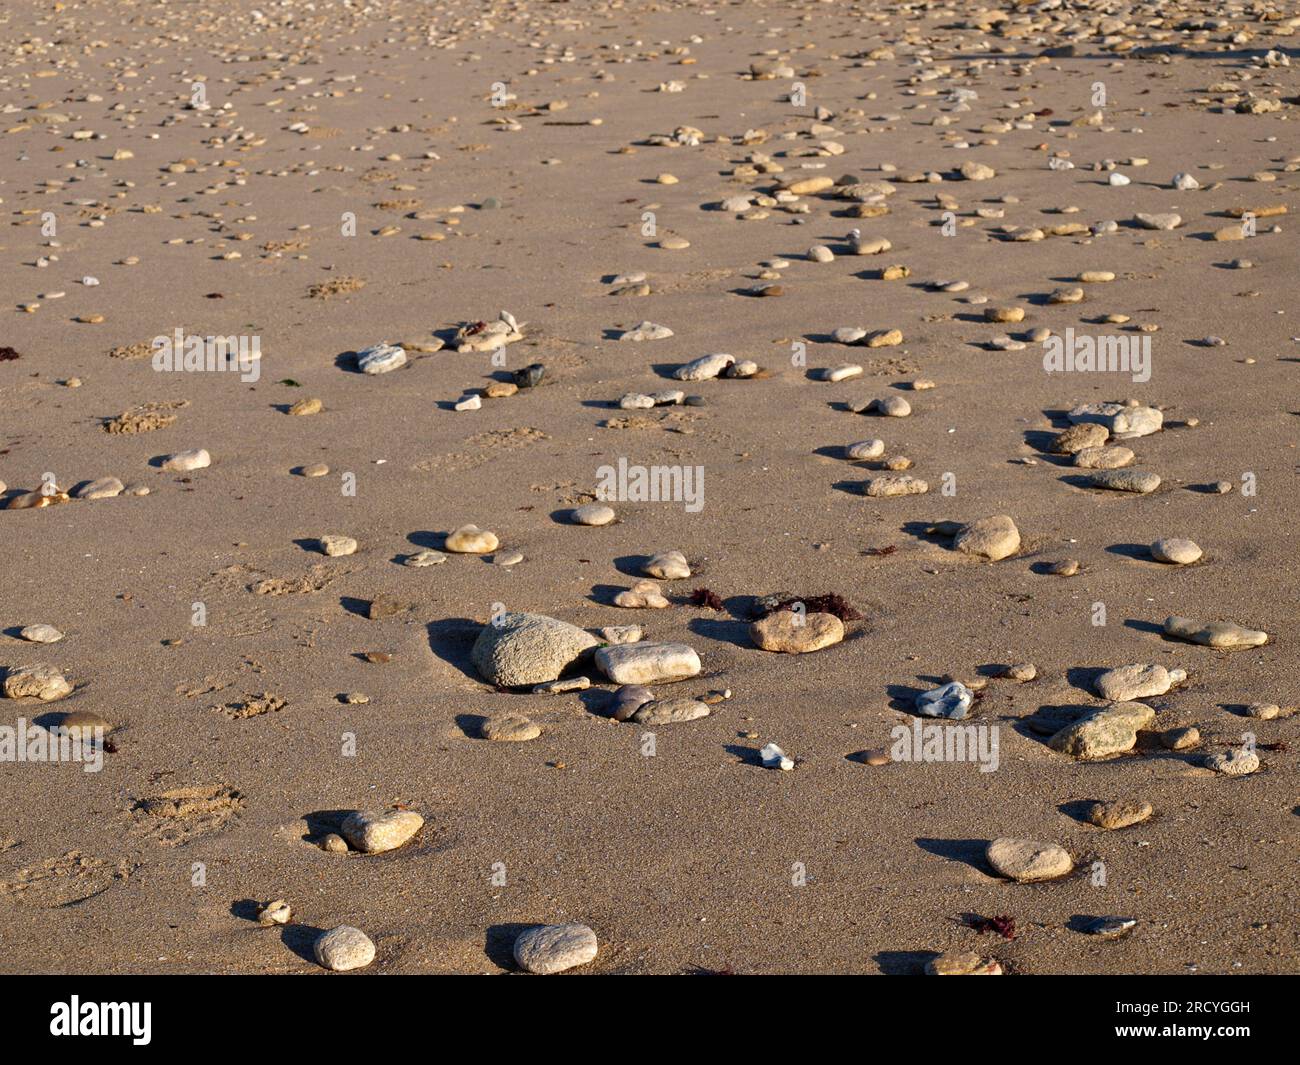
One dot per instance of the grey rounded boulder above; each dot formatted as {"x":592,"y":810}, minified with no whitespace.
{"x":516,"y":649}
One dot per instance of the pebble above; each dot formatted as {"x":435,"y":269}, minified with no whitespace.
{"x":374,"y":833}
{"x":621,"y":633}
{"x":1112,"y":457}
{"x":507,"y":558}
{"x":1026,"y":861}
{"x":1004,"y":314}
{"x":667,"y":566}
{"x":648,"y":663}
{"x":1078,"y":438}
{"x":276,"y":912}
{"x":890,"y":407}
{"x":343,"y":948}
{"x":334,"y":843}
{"x":1103,"y":732}
{"x":1140,"y":482}
{"x":1236,"y":762}
{"x":788,"y":632}
{"x":474,"y":402}
{"x":593,"y":514}
{"x":843,"y":372}
{"x":518,"y":649}
{"x":704,"y":368}
{"x":1021,"y":672}
{"x":962,"y":963}
{"x":471,"y":540}
{"x":40,"y":634}
{"x":380,"y":358}
{"x":773,"y":757}
{"x":1066,"y":567}
{"x":1223,"y":635}
{"x":993,"y":538}
{"x":316,"y":469}
{"x":559,"y":687}
{"x":1263,"y":711}
{"x":510,"y":728}
{"x":865,"y":449}
{"x":100,"y":488}
{"x":335,"y":546}
{"x":1181,"y":739}
{"x":1119,"y":813}
{"x":628,"y":700}
{"x":1176,"y":551}
{"x":555,"y":948}
{"x":1123,"y":422}
{"x":1164,"y":220}
{"x":305,"y":407}
{"x":1110,"y":927}
{"x":39,"y":681}
{"x":888,"y":485}
{"x":184,"y":461}
{"x":669,"y":711}
{"x":647,"y":331}
{"x":975,"y":171}
{"x":1127,"y":683}
{"x":953,"y":701}
{"x":643,"y":594}
{"x":427,"y":557}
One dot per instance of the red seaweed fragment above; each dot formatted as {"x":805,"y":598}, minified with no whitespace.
{"x":705,"y":598}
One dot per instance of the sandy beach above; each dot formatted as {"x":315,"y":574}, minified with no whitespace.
{"x":955,"y":349}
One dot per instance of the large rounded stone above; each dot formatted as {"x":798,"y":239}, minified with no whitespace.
{"x":796,"y":633}
{"x":993,"y":538}
{"x":344,"y":948}
{"x":1025,"y":861}
{"x":517,"y":649}
{"x":375,"y":833}
{"x":554,"y":948}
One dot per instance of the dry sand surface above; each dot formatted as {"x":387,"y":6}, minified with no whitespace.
{"x":329,"y":177}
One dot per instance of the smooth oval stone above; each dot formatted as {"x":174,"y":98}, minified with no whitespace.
{"x":374,"y":833}
{"x":593,"y":514}
{"x":510,"y":728}
{"x":380,"y":358}
{"x":669,"y":711}
{"x":952,"y":700}
{"x":40,"y":634}
{"x":519,"y":649}
{"x":1263,"y":711}
{"x":791,"y":632}
{"x":1181,"y":739}
{"x":471,"y":540}
{"x":1026,"y":861}
{"x":628,"y":700}
{"x":1066,"y":567}
{"x":865,"y":449}
{"x":1119,"y":814}
{"x":1138,"y":481}
{"x":344,"y":948}
{"x":275,"y":912}
{"x":1103,"y":458}
{"x":992,"y":538}
{"x":1174,"y":550}
{"x":184,"y":461}
{"x":648,"y":663}
{"x":890,"y":407}
{"x":555,"y":948}
{"x":1110,"y":927}
{"x":100,"y":488}
{"x":667,"y":565}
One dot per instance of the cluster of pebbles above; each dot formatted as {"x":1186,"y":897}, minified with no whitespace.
{"x":813,"y":167}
